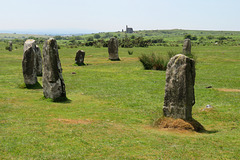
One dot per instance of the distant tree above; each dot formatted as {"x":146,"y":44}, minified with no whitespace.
{"x":194,"y":38}
{"x":133,"y":37}
{"x":108,"y":35}
{"x":222,"y":38}
{"x":78,"y":37}
{"x":58,"y":37}
{"x":72,"y":41}
{"x":210,"y":37}
{"x":188,"y":36}
{"x":201,"y":39}
{"x":97,"y":36}
{"x":90,"y":39}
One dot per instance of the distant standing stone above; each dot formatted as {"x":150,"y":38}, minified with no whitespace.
{"x":29,"y":62}
{"x":10,"y":46}
{"x":53,"y":83}
{"x":38,"y":61}
{"x":179,"y":89}
{"x":113,"y":49}
{"x":79,"y":59}
{"x":187,"y":46}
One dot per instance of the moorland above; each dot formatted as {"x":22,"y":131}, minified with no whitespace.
{"x":113,"y":104}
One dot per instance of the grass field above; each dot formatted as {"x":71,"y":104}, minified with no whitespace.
{"x":113,"y":106}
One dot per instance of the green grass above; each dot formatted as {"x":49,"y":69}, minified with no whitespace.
{"x":112,"y":106}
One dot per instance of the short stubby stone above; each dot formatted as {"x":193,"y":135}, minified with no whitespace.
{"x":79,"y":59}
{"x":113,"y":49}
{"x":53,"y":83}
{"x":38,"y":61}
{"x":10,"y":46}
{"x":187,"y":46}
{"x":29,"y":62}
{"x":179,"y":89}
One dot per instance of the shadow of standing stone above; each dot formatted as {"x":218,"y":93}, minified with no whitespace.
{"x":79,"y":59}
{"x":113,"y":49}
{"x":53,"y":83}
{"x":179,"y":89}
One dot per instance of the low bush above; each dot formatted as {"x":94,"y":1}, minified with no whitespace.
{"x":130,"y":52}
{"x":153,"y":61}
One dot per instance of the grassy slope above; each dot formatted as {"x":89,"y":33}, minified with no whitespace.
{"x":112,"y":107}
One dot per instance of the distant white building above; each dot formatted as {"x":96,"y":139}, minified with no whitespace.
{"x":129,"y":30}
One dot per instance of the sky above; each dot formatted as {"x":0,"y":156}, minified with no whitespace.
{"x":93,"y":16}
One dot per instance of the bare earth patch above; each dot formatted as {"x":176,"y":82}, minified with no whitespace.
{"x":232,"y":60}
{"x":228,"y":90}
{"x":179,"y":124}
{"x":74,"y":121}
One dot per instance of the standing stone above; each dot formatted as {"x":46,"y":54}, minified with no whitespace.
{"x":38,"y":61}
{"x":179,"y":89}
{"x":53,"y":83}
{"x":79,"y":59}
{"x":10,"y":46}
{"x":113,"y":49}
{"x":29,"y":62}
{"x":187,"y":46}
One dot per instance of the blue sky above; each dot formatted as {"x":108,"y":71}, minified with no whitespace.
{"x":111,"y":15}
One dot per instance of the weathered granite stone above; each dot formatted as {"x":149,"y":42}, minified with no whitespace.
{"x":113,"y":49}
{"x":179,"y":89}
{"x":38,"y":61}
{"x":79,"y":59}
{"x":29,"y":62}
{"x":53,"y":83}
{"x":187,"y":46}
{"x":10,"y":46}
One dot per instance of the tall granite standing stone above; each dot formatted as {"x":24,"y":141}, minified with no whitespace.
{"x":187,"y":46}
{"x":179,"y":89}
{"x":10,"y":46}
{"x":113,"y":49}
{"x":53,"y":83}
{"x":79,"y":59}
{"x":29,"y":62}
{"x":38,"y":61}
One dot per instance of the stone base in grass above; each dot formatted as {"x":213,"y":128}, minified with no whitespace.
{"x":180,"y":124}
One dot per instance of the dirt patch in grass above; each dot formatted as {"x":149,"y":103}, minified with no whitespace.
{"x":228,"y":90}
{"x":179,"y":124}
{"x":232,"y":60}
{"x":130,"y":59}
{"x":74,"y":121}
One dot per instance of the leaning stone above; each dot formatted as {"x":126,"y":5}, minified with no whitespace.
{"x":53,"y":83}
{"x":28,"y":63}
{"x":79,"y":59}
{"x":187,"y":46}
{"x":38,"y":61}
{"x":113,"y":49}
{"x":179,"y":89}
